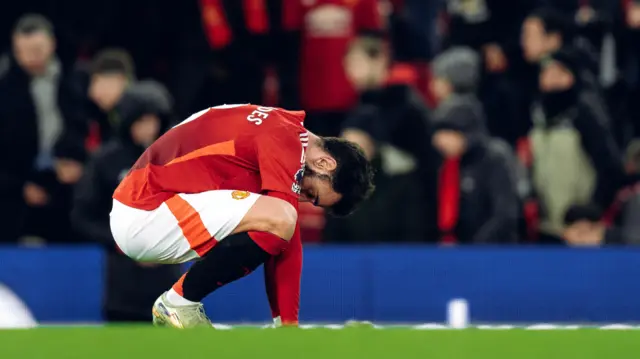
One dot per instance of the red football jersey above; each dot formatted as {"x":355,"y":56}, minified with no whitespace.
{"x":327,"y":27}
{"x":240,"y":147}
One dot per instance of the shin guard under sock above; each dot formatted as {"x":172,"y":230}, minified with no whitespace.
{"x":231,"y":259}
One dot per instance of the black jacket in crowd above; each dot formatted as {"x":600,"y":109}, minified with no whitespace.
{"x":19,"y":143}
{"x":130,"y":288}
{"x":476,"y":23}
{"x":624,"y":215}
{"x":403,"y":205}
{"x":489,"y":199}
{"x":587,"y":109}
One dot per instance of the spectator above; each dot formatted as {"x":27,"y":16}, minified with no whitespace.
{"x":326,"y":28}
{"x":575,"y":159}
{"x":584,"y":225}
{"x":37,"y":103}
{"x":543,"y":32}
{"x":413,"y":29}
{"x":584,"y":27}
{"x":491,"y":27}
{"x":478,"y":198}
{"x":546,"y":31}
{"x":131,"y":287}
{"x":391,"y":125}
{"x":231,"y":51}
{"x":628,"y":55}
{"x":111,"y":72}
{"x":592,"y":23}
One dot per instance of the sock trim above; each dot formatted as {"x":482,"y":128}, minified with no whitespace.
{"x":269,"y":243}
{"x":177,"y":287}
{"x":178,"y":300}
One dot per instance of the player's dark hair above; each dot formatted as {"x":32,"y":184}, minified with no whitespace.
{"x":554,"y":22}
{"x":353,"y":176}
{"x":113,"y":61}
{"x":31,"y":23}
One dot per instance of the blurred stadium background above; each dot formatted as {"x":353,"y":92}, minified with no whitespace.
{"x":504,"y":133}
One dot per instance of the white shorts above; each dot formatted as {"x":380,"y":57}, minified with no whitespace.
{"x":183,"y":228}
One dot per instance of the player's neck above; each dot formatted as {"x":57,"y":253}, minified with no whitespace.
{"x":314,"y":138}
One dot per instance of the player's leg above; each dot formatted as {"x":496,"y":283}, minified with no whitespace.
{"x":149,"y":236}
{"x":247,"y":229}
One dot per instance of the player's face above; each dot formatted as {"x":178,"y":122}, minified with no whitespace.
{"x":316,"y":188}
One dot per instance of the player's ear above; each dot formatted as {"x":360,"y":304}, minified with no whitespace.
{"x":326,"y":163}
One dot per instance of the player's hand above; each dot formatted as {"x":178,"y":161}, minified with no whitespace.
{"x":494,"y":58}
{"x":34,"y":195}
{"x":68,"y":171}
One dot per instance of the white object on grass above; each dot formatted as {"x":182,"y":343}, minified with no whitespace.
{"x":14,"y":314}
{"x":277,"y":322}
{"x":458,"y":314}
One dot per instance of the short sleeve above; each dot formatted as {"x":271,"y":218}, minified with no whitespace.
{"x":280,"y":154}
{"x":367,"y":16}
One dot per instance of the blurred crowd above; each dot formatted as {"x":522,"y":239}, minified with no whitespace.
{"x":489,"y":121}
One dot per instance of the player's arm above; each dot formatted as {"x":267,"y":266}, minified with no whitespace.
{"x":281,"y":157}
{"x":282,"y":280}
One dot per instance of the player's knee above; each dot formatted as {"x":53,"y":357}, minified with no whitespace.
{"x":271,"y":215}
{"x":284,"y":220}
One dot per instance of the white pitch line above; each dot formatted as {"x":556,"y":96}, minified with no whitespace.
{"x":424,"y":327}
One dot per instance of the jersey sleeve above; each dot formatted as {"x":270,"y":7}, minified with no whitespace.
{"x":280,"y":154}
{"x":282,"y":282}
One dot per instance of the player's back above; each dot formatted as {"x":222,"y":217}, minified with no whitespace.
{"x":213,"y":149}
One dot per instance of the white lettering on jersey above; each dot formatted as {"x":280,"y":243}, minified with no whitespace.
{"x":199,"y":114}
{"x":297,"y":178}
{"x":258,"y":115}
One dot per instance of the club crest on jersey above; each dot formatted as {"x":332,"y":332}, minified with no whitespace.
{"x":297,"y":181}
{"x":239,"y":194}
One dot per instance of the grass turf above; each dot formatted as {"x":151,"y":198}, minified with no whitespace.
{"x":147,"y":342}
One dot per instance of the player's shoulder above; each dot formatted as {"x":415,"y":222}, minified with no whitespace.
{"x":276,"y":122}
{"x":280,"y":117}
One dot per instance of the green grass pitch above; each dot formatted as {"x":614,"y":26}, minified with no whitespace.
{"x":141,"y":342}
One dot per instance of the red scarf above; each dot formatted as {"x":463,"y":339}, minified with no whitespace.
{"x":449,"y":199}
{"x":216,"y":26}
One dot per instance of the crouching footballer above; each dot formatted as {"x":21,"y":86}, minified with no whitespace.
{"x":222,"y":189}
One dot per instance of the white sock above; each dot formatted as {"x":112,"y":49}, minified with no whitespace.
{"x":177,"y":300}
